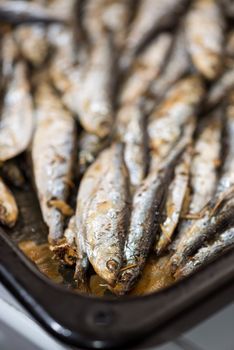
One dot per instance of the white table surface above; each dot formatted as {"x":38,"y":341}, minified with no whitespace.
{"x":19,"y":332}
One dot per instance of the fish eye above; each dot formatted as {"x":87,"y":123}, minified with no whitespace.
{"x":112,"y":265}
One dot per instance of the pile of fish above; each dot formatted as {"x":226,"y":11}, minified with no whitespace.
{"x":131,"y":102}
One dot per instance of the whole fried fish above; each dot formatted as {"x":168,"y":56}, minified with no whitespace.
{"x":204,"y":30}
{"x":174,"y":202}
{"x":147,"y":204}
{"x":217,"y":215}
{"x":207,"y":253}
{"x":53,"y":150}
{"x":76,"y":232}
{"x":145,"y":68}
{"x":8,"y":206}
{"x":136,"y":150}
{"x":71,"y":249}
{"x":33,"y":43}
{"x":168,"y":119}
{"x":151,"y":17}
{"x":16,"y":124}
{"x":107,"y":216}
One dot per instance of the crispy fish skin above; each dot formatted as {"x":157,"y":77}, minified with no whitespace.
{"x":205,"y":36}
{"x":174,"y":203}
{"x":107,"y":217}
{"x":146,"y":67}
{"x":17,"y":114}
{"x":168,"y":119}
{"x":150,"y":17}
{"x":8,"y":206}
{"x":52,"y":156}
{"x":146,"y":210}
{"x":32,"y":42}
{"x":207,"y":254}
{"x":218,"y":215}
{"x":135,"y":152}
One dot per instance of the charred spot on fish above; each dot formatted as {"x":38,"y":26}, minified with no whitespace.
{"x":112,"y":265}
{"x":126,"y":277}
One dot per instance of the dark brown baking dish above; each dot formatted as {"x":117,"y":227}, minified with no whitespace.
{"x":101,"y":323}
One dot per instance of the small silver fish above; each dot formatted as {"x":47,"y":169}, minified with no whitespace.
{"x":8,"y":207}
{"x":146,"y":210}
{"x":174,"y":202}
{"x":107,"y":215}
{"x":16,"y":124}
{"x":207,"y":254}
{"x":73,"y":250}
{"x":168,"y":119}
{"x":135,"y":152}
{"x":204,"y":28}
{"x":53,"y":150}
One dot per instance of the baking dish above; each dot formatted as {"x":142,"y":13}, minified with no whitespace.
{"x":105,"y":323}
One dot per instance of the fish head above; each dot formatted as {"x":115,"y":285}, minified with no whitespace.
{"x":126,"y":281}
{"x":107,"y":267}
